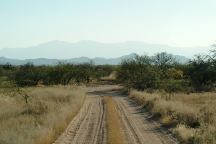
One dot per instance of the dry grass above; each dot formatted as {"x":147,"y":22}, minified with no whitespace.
{"x":192,"y":117}
{"x":185,"y":134}
{"x":115,"y":136}
{"x":111,"y":77}
{"x":40,"y":121}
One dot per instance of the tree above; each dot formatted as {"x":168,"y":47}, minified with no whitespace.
{"x":27,"y":75}
{"x":138,"y":73}
{"x":212,"y":56}
{"x":202,"y":73}
{"x":163,"y":61}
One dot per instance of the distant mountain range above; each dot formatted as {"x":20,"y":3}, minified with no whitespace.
{"x":92,"y":49}
{"x":96,"y":61}
{"x":53,"y":52}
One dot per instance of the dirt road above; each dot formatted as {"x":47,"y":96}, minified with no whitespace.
{"x":109,"y":117}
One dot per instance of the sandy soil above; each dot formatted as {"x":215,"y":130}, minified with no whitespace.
{"x":133,"y":126}
{"x":138,"y":127}
{"x":88,"y":127}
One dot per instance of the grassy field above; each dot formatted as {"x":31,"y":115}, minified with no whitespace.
{"x":43,"y":118}
{"x":191,"y":117}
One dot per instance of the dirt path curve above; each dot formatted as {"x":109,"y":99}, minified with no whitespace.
{"x":91,"y":126}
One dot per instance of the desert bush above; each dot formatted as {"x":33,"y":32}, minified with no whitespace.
{"x":202,"y":73}
{"x":171,"y":86}
{"x":138,"y":73}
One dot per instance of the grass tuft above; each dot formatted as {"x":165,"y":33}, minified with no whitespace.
{"x":192,"y":117}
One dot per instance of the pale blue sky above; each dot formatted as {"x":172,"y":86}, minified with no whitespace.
{"x":172,"y":22}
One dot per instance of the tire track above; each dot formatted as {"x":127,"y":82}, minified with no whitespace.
{"x":137,"y":128}
{"x":88,"y":127}
{"x":132,"y":136}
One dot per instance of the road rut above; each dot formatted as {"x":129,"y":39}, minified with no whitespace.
{"x":137,"y":128}
{"x":90,"y":124}
{"x":88,"y":127}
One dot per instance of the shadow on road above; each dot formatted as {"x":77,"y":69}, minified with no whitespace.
{"x":115,"y":91}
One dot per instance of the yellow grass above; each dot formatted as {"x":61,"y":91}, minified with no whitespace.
{"x":111,"y":77}
{"x":115,"y":136}
{"x":40,"y":121}
{"x":193,"y":115}
{"x":185,"y":134}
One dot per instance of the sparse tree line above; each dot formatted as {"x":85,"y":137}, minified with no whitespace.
{"x":163,"y":72}
{"x":30,"y":75}
{"x":160,"y":71}
{"x":14,"y":78}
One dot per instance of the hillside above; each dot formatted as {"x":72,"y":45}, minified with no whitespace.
{"x":96,"y":61}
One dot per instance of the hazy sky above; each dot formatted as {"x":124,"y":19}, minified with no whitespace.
{"x":173,"y":22}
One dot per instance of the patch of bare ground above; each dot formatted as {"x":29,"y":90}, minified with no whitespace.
{"x":109,"y":117}
{"x":137,"y":127}
{"x":88,"y":127}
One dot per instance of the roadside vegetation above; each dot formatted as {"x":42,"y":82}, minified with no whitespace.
{"x":163,"y":72}
{"x":43,"y":118}
{"x":190,"y":117}
{"x":38,"y":102}
{"x":181,"y":96}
